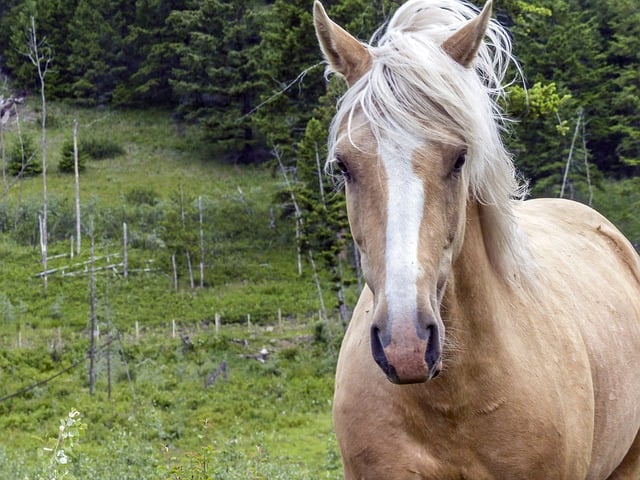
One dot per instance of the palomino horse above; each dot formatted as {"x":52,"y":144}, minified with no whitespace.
{"x":537,"y":374}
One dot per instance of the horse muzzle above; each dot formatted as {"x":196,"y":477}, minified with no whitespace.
{"x":407,"y":351}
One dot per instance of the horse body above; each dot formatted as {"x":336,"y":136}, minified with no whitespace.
{"x":496,"y":338}
{"x":545,"y":392}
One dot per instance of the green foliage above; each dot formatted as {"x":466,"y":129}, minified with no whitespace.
{"x":100,"y":148}
{"x":217,"y":79}
{"x":23,"y":158}
{"x":98,"y":60}
{"x":620,"y":202}
{"x":263,"y":421}
{"x":67,"y":158}
{"x":537,"y":101}
{"x":71,"y":428}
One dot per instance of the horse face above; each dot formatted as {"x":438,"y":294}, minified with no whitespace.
{"x":406,"y":207}
{"x":406,"y":202}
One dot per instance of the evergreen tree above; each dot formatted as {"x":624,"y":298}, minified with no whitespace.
{"x":217,"y":82}
{"x":294,"y":65}
{"x":150,"y":55}
{"x":98,"y":61}
{"x":67,"y":158}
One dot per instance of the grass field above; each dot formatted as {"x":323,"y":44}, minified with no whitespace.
{"x":267,"y":420}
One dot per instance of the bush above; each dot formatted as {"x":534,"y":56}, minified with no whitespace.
{"x":67,"y":160}
{"x":23,"y":160}
{"x":100,"y":148}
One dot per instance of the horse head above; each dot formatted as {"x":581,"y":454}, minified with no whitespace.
{"x":401,"y":142}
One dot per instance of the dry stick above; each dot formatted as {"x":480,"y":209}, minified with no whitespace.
{"x":76,"y":172}
{"x":37,"y":59}
{"x":573,"y":142}
{"x":201,"y":242}
{"x":3,"y":155}
{"x":20,"y":176}
{"x":277,"y":153}
{"x":109,"y":336}
{"x":340,"y":283}
{"x":191,"y":280}
{"x":125,"y":251}
{"x":586,"y":162}
{"x":92,"y":327}
{"x":175,"y":272}
{"x":323,"y":310}
{"x":319,"y":170}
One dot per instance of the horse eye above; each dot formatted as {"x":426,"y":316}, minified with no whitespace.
{"x":341,"y":169}
{"x":457,"y":166}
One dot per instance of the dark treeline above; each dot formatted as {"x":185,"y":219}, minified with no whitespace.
{"x":222,"y":63}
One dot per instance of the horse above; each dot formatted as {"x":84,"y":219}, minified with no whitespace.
{"x":497,"y":337}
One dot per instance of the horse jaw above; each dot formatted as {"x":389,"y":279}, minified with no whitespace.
{"x":346,"y":55}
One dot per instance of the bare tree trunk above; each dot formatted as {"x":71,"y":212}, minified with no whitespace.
{"x":175,"y":272}
{"x":3,"y":154}
{"x":298,"y":212}
{"x":191,"y":280}
{"x":323,"y":310}
{"x":125,"y":251}
{"x":20,"y":174}
{"x":568,"y":165}
{"x":586,"y":163}
{"x":201,"y":242}
{"x":109,"y":339}
{"x":76,"y":172}
{"x":320,"y":181}
{"x":41,"y":62}
{"x":92,"y":323}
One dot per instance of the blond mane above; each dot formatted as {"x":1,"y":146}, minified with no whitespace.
{"x":414,"y":87}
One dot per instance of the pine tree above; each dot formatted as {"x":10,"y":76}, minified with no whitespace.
{"x":217,"y":82}
{"x":98,"y":61}
{"x":150,"y":55}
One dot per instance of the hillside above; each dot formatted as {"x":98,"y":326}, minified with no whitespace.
{"x":157,"y":345}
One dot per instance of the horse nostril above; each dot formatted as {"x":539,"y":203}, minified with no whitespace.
{"x":433,"y":353}
{"x":377,"y":350}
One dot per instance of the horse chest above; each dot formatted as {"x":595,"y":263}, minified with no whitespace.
{"x":389,"y":442}
{"x":387,"y":431}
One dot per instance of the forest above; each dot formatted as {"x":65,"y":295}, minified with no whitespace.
{"x":249,"y":72}
{"x":202,"y":134}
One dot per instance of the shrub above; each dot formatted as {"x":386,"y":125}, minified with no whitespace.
{"x":100,"y":148}
{"x":23,"y":160}
{"x":67,"y":160}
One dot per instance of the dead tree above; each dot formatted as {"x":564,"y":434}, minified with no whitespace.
{"x":40,"y":56}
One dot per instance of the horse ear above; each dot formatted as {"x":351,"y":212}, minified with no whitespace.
{"x":463,"y":45}
{"x":346,"y":55}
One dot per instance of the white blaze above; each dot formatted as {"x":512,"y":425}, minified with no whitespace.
{"x":405,"y":204}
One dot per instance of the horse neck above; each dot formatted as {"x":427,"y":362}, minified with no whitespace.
{"x":477,"y":346}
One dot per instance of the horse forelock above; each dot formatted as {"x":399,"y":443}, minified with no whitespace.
{"x":414,"y":88}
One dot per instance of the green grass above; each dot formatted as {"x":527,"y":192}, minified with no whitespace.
{"x":161,"y":413}
{"x":268,"y":420}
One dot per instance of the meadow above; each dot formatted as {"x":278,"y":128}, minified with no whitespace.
{"x":155,"y":411}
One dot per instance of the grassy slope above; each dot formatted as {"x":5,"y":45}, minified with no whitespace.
{"x":267,"y":421}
